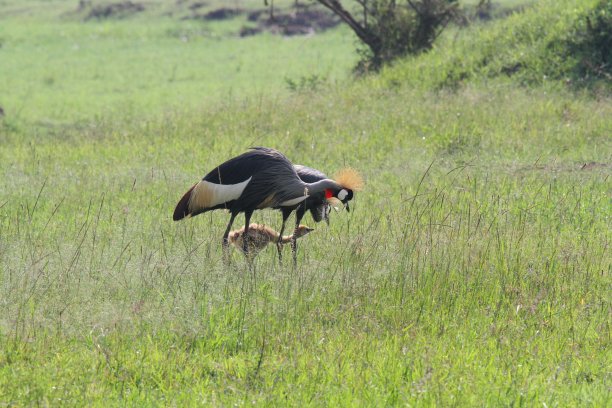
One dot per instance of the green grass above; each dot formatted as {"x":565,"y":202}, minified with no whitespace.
{"x":58,"y":70}
{"x":474,"y":268}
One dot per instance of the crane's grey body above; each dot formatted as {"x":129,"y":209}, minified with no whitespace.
{"x":259,"y":178}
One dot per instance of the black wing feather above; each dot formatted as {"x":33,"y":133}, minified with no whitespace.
{"x":238,"y":169}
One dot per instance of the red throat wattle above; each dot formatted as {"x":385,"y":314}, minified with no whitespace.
{"x":328,"y":193}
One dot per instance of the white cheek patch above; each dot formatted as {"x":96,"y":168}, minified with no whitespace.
{"x":342,"y":195}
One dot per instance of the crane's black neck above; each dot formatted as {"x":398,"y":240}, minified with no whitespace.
{"x":322,"y":185}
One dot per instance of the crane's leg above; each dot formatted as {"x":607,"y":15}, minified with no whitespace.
{"x":279,"y":241}
{"x":298,"y":217}
{"x":227,"y":231}
{"x":225,"y":238}
{"x":245,"y":236}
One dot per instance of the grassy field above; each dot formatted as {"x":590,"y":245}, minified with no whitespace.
{"x":61,"y":69}
{"x":473,"y":270}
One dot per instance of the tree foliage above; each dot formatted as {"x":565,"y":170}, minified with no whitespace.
{"x":390,"y":29}
{"x":591,"y":44}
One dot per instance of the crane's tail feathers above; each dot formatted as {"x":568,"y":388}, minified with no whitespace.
{"x":182,"y":208}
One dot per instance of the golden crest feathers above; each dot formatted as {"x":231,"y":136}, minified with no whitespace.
{"x":349,"y":178}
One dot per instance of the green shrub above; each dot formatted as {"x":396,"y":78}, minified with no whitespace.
{"x":591,"y":45}
{"x":567,"y":41}
{"x":389,"y":29}
{"x":404,"y":28}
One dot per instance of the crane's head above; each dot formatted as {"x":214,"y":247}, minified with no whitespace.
{"x":342,"y":195}
{"x":349,"y":181}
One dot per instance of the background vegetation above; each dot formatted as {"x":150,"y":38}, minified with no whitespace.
{"x":568,"y":43}
{"x":474,"y":269}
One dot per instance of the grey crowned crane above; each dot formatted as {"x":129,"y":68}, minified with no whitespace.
{"x":257,"y":179}
{"x":317,"y":203}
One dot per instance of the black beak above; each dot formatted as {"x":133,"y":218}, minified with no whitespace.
{"x":347,"y":207}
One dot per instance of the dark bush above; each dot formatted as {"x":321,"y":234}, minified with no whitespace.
{"x":591,"y":45}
